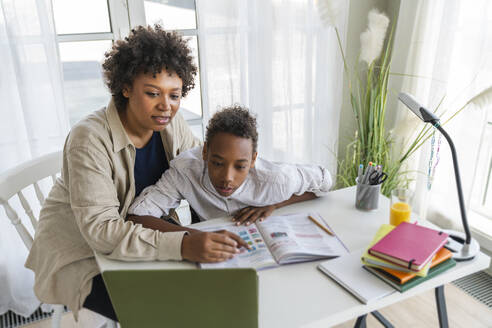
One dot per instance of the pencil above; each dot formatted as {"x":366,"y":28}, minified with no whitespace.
{"x":320,"y":225}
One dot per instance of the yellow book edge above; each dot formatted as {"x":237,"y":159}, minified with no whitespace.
{"x":441,"y":256}
{"x":383,"y":230}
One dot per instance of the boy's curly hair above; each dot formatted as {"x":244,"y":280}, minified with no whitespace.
{"x":147,"y":49}
{"x":236,"y":120}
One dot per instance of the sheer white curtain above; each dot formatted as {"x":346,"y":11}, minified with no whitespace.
{"x":451,"y":53}
{"x":276,"y":58}
{"x":33,"y":121}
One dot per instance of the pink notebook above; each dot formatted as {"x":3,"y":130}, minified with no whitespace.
{"x":409,"y":245}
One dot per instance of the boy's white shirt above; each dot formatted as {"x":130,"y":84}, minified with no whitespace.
{"x":267,"y":183}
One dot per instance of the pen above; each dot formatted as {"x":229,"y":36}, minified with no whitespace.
{"x":366,"y":174}
{"x":373,"y":168}
{"x":320,"y":225}
{"x":359,"y":174}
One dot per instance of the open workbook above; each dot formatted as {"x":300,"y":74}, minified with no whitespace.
{"x":279,"y":240}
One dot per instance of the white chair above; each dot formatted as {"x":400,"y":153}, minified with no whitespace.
{"x":12,"y":182}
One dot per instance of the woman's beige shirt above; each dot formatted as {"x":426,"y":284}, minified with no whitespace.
{"x":86,"y":207}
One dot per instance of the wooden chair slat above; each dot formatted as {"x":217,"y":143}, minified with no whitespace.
{"x":21,"y":229}
{"x":27,"y":209}
{"x":39,"y":193}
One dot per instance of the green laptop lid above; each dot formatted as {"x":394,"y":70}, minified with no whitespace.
{"x":184,"y":298}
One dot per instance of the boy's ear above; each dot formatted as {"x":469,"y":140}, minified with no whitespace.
{"x":126,"y":91}
{"x":204,"y":151}
{"x":254,"y":159}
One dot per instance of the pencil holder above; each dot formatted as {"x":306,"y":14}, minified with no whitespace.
{"x":367,"y":196}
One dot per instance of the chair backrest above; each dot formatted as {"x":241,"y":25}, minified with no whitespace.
{"x":13,"y":181}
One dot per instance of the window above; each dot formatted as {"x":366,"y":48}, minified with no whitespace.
{"x":481,"y":197}
{"x":82,"y":46}
{"x":482,"y":202}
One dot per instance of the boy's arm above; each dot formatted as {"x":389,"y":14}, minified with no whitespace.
{"x":297,"y":183}
{"x":250,"y":214}
{"x":155,"y":223}
{"x":158,"y":199}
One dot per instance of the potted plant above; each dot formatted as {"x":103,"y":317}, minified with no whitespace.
{"x":368,"y":88}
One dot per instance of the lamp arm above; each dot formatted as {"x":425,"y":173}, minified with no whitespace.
{"x":458,"y":181}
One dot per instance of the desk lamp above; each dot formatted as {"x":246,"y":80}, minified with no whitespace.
{"x":462,"y":245}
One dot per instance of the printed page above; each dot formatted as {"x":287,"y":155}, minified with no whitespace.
{"x":295,"y":238}
{"x":258,"y":256}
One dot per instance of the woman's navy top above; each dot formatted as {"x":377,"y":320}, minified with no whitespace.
{"x":150,"y":163}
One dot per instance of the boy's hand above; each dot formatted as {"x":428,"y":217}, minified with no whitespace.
{"x":211,"y":246}
{"x":250,"y":214}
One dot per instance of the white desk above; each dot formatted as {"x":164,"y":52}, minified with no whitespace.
{"x":299,"y":295}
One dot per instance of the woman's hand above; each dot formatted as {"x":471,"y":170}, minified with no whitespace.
{"x":211,"y":246}
{"x":250,"y":214}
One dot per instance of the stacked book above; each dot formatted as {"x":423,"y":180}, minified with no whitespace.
{"x":407,"y":255}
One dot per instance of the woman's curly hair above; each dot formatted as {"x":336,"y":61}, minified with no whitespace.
{"x":147,"y":49}
{"x":236,"y":120}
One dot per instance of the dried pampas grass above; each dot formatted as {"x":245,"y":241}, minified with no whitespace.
{"x":330,"y":11}
{"x":372,"y":39}
{"x":483,"y":99}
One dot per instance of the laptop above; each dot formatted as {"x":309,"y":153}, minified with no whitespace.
{"x":171,"y":294}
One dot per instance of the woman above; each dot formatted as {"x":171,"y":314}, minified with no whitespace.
{"x":108,"y":158}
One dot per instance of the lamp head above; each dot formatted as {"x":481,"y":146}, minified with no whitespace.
{"x":417,"y":109}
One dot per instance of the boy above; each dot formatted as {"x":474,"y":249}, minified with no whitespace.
{"x":225,"y":177}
